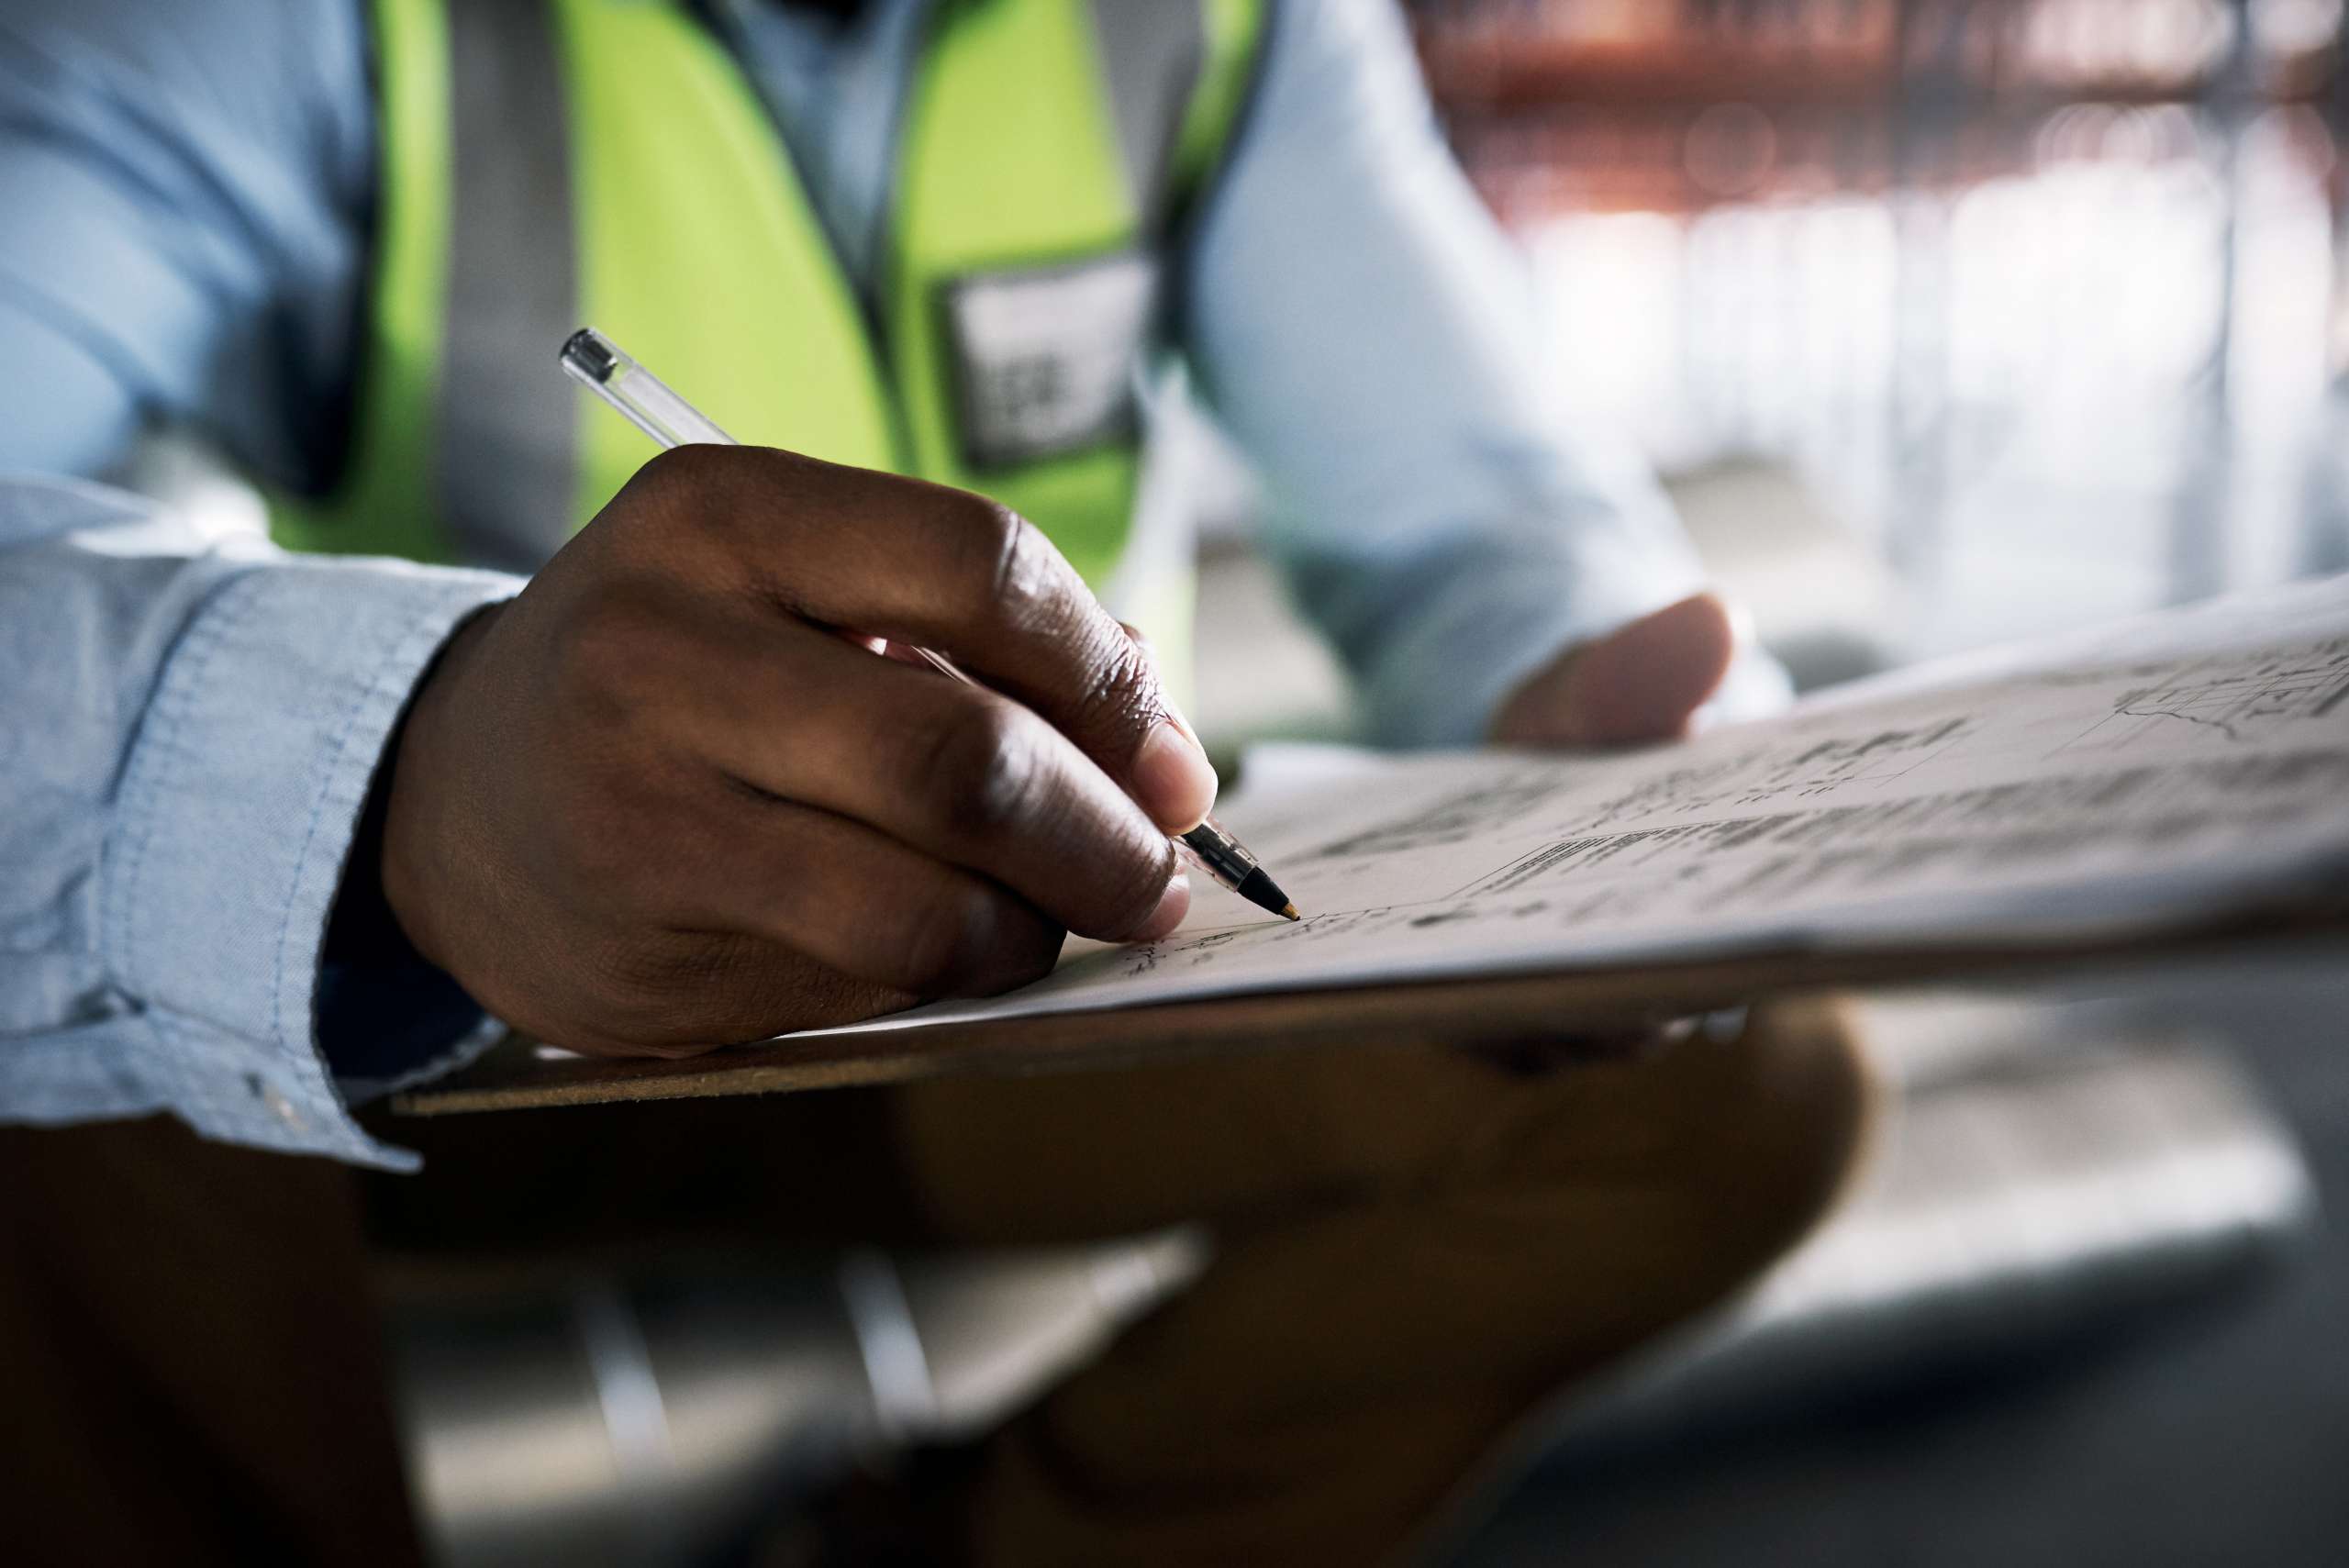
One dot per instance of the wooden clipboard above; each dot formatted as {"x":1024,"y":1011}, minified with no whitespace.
{"x":518,"y":1074}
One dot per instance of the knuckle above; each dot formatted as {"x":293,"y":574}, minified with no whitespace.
{"x":799,"y":992}
{"x":629,"y":990}
{"x":1123,"y":697}
{"x":1150,"y":874}
{"x":1000,"y":559}
{"x":1026,"y":953}
{"x":679,"y":475}
{"x":941,"y":939}
{"x":690,"y":507}
{"x":654,"y":507}
{"x":666,"y":992}
{"x":609,"y":661}
{"x":1132,"y":886}
{"x":982,"y":771}
{"x":972,"y":937}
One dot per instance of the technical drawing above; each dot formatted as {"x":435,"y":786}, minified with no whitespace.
{"x":1767,"y":777}
{"x":2233,"y":698}
{"x":1454,"y":819}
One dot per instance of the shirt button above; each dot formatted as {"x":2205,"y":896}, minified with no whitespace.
{"x":283,"y":1109}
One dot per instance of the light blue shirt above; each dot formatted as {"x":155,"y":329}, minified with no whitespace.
{"x":190,"y":725}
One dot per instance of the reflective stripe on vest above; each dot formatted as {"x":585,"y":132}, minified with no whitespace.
{"x":552,"y":161}
{"x":504,"y":441}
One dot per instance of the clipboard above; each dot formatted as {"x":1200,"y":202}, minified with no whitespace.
{"x":2241,"y":705}
{"x":519,"y":1074}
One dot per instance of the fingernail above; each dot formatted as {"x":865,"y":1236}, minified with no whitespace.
{"x":1173,"y":905}
{"x":1174,"y":716}
{"x":1172,"y":780}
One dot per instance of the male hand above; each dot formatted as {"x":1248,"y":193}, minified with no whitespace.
{"x":659,"y":803}
{"x":1644,"y":681}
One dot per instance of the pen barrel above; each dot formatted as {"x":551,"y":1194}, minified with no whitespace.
{"x":1218,"y":853}
{"x":642,"y":398}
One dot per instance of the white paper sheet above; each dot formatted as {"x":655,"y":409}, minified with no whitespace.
{"x":2150,"y":774}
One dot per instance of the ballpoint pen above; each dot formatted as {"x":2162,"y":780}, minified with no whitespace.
{"x":646,"y":401}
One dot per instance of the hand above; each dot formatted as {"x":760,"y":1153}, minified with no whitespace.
{"x":1644,"y":681}
{"x":659,"y":803}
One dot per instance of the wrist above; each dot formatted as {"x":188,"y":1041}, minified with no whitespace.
{"x":401,"y":859}
{"x":385,"y":1015}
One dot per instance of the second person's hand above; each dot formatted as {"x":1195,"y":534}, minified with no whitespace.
{"x":1643,"y":682}
{"x":657,"y":803}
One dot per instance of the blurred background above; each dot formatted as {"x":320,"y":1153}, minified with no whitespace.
{"x":2005,"y":313}
{"x":1949,"y":321}
{"x":2042,"y":296}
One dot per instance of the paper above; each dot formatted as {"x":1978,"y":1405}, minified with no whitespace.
{"x":2166,"y":771}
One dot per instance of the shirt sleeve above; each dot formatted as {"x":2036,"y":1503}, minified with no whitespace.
{"x":192,"y":731}
{"x":188,"y":191}
{"x":191,"y":724}
{"x":1365,"y":331}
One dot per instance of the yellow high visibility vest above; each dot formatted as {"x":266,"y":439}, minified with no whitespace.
{"x":550,"y":164}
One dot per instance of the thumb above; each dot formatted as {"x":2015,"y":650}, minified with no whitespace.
{"x":1643,"y":682}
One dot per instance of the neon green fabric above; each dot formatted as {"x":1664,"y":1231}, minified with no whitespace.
{"x":973,"y":204}
{"x":699,"y":252}
{"x":379,"y":507}
{"x":1235,"y":40}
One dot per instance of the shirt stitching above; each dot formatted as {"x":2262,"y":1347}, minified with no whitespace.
{"x":396,"y":670}
{"x":178,"y":688}
{"x":391,"y":661}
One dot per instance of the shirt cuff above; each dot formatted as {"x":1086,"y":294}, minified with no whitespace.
{"x":1492,"y":611}
{"x":239,"y":800}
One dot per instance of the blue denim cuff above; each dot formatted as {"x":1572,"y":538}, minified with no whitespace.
{"x":237,"y":807}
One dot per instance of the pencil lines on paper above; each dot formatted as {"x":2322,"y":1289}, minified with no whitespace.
{"x":2111,"y":788}
{"x":2233,"y":698}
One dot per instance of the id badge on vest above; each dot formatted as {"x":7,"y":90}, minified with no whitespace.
{"x":1045,"y":357}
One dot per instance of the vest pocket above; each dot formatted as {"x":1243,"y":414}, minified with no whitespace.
{"x":1043,"y":357}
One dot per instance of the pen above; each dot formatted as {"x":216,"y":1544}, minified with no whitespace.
{"x":596,"y":363}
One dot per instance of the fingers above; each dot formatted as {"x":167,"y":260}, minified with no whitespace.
{"x":963,"y":775}
{"x":1646,"y":681}
{"x":943,"y":568}
{"x":1643,"y":681}
{"x":668,"y":797}
{"x":682,"y":993}
{"x":859,"y":902}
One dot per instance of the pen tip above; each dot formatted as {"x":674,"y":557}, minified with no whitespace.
{"x":1266,"y":893}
